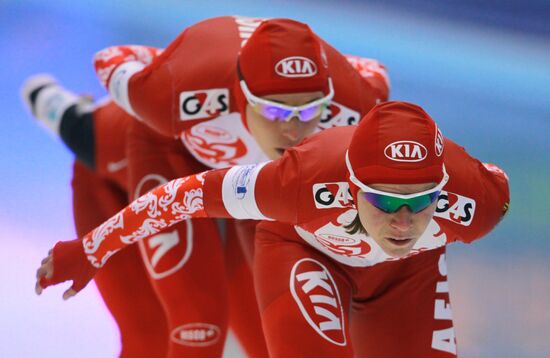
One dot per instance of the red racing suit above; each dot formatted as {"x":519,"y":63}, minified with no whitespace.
{"x":321,"y":290}
{"x":97,"y":195}
{"x":190,"y":91}
{"x":143,"y":320}
{"x":187,"y":101}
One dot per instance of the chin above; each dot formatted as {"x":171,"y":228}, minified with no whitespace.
{"x":275,"y":153}
{"x":398,"y":252}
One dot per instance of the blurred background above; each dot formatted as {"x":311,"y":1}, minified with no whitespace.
{"x":480,"y":68}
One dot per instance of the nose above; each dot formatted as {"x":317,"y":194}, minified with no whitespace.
{"x":402,"y":220}
{"x":292,"y":129}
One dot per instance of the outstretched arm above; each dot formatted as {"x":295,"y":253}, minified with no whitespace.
{"x":78,"y":260}
{"x":225,"y":193}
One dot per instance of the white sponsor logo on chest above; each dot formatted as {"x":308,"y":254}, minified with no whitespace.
{"x":359,"y":250}
{"x":215,"y":145}
{"x":222,"y":142}
{"x":203,"y":104}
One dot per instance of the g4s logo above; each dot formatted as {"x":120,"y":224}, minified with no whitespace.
{"x":456,"y":208}
{"x":204,"y":104}
{"x":332,"y":195}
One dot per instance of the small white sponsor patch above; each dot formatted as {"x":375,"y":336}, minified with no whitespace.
{"x":118,"y":85}
{"x":456,"y":208}
{"x":332,"y":195}
{"x":406,"y":151}
{"x":203,"y":104}
{"x":317,"y":296}
{"x":118,"y":165}
{"x":196,"y":334}
{"x":238,"y":192}
{"x":296,"y":66}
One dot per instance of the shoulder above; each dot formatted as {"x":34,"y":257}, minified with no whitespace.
{"x":203,"y":52}
{"x":353,"y":95}
{"x":285,"y":186}
{"x":192,"y":80}
{"x":475,"y":198}
{"x":465,"y":171}
{"x":325,"y":149}
{"x":323,"y":173}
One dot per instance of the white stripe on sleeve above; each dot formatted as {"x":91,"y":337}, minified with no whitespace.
{"x":238,"y":192}
{"x":118,"y":85}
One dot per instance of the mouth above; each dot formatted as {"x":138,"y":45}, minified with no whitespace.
{"x":399,"y":241}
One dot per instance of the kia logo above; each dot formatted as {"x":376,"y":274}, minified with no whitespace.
{"x":406,"y":151}
{"x":296,"y":66}
{"x":317,"y":297}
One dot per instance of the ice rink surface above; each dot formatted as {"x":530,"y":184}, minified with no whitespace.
{"x":487,"y":86}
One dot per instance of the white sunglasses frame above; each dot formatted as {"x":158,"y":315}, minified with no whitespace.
{"x":295,"y":110}
{"x":367,"y":189}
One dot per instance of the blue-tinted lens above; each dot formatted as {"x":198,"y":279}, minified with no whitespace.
{"x":274,"y":113}
{"x":391,"y":204}
{"x":308,"y":114}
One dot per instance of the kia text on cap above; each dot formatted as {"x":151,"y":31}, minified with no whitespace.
{"x":284,"y":56}
{"x":397,"y":143}
{"x":296,"y":66}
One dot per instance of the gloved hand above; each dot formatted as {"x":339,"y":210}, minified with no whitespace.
{"x":65,"y":262}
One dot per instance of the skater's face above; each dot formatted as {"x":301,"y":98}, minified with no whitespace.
{"x":275,"y":136}
{"x":396,"y":233}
